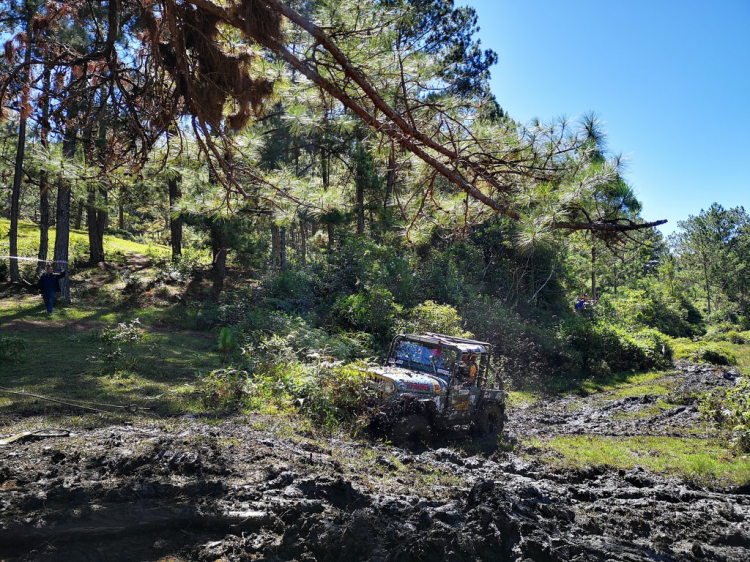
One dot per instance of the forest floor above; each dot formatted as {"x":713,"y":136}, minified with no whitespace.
{"x":622,"y":468}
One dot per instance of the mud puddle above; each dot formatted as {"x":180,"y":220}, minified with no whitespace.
{"x":232,"y":490}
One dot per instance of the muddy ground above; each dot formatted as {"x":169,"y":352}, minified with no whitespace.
{"x":238,"y":489}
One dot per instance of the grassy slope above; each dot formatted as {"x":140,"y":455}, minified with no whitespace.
{"x":65,"y":358}
{"x":28,"y":241}
{"x":63,"y":355}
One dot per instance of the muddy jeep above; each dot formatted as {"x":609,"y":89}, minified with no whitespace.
{"x":433,"y":381}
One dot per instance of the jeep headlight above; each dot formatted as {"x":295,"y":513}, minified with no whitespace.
{"x":389,"y":387}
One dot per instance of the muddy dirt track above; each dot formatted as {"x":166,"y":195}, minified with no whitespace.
{"x":233,"y":490}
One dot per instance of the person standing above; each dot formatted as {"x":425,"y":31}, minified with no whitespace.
{"x":49,"y":284}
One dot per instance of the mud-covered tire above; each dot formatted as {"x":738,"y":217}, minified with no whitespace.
{"x":490,"y":421}
{"x":411,"y":430}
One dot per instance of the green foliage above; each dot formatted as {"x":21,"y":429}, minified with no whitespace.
{"x":224,"y":388}
{"x":374,"y":311}
{"x":305,"y":341}
{"x":334,"y":394}
{"x":12,"y":348}
{"x":730,"y":408}
{"x":608,"y":348}
{"x":432,"y":317}
{"x":121,"y":343}
{"x":290,"y":291}
{"x":227,"y":341}
{"x":702,"y":352}
{"x":651,"y":307}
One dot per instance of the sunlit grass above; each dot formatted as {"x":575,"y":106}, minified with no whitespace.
{"x":28,"y":241}
{"x":520,"y":398}
{"x":64,"y":359}
{"x":707,"y":462}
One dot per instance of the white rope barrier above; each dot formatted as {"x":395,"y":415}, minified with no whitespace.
{"x":32,"y":259}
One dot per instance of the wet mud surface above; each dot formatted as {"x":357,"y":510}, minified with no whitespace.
{"x":233,"y":490}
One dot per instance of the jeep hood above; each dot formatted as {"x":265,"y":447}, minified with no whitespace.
{"x":412,"y":382}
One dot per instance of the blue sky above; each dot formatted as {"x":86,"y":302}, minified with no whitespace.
{"x":669,"y":79}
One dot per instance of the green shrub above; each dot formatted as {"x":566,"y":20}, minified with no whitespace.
{"x":334,"y":394}
{"x":651,"y":307}
{"x":732,"y":336}
{"x":224,"y":388}
{"x":227,"y":341}
{"x":122,"y":343}
{"x":608,"y":348}
{"x":432,"y":317}
{"x":702,"y":352}
{"x":373,"y":311}
{"x":730,"y":408}
{"x":12,"y":348}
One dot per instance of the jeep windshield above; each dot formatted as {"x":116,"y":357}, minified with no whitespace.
{"x":420,"y":356}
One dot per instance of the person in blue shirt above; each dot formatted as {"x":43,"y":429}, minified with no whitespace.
{"x":49,"y":284}
{"x":580,"y":301}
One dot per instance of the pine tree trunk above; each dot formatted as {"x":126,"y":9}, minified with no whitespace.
{"x":219,"y":252}
{"x":175,"y":223}
{"x":96,"y":211}
{"x":275,"y":246}
{"x":303,"y":243}
{"x":15,"y":204}
{"x":62,"y":215}
{"x":282,"y":248}
{"x":79,"y":215}
{"x":360,"y":209}
{"x":390,"y":180}
{"x":15,"y":207}
{"x":593,"y":271}
{"x":44,"y":178}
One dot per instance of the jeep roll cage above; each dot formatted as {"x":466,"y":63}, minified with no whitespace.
{"x":460,"y":346}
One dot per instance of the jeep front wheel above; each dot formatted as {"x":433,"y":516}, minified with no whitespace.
{"x":411,"y":430}
{"x":490,"y":421}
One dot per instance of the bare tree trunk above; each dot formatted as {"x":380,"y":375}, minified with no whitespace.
{"x":96,"y":211}
{"x":62,"y":219}
{"x":593,"y":270}
{"x":15,"y":205}
{"x":175,"y":223}
{"x":303,"y":242}
{"x":282,"y":248}
{"x":79,"y":215}
{"x":360,"y":208}
{"x":121,"y":210}
{"x":390,"y":179}
{"x":219,"y":251}
{"x":275,"y":246}
{"x":44,"y":178}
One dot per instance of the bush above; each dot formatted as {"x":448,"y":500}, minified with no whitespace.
{"x":432,"y":317}
{"x":730,"y":408}
{"x":525,"y":351}
{"x":121,"y":343}
{"x":11,"y":349}
{"x":732,"y":336}
{"x":702,"y":352}
{"x":373,"y":311}
{"x":651,"y":308}
{"x":224,"y":388}
{"x":608,"y":348}
{"x":334,"y":394}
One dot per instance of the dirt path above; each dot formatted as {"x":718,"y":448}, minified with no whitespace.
{"x":188,"y":490}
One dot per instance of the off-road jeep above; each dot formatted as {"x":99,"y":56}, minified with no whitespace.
{"x":433,"y":381}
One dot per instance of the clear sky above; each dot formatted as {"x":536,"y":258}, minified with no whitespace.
{"x":670,"y":80}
